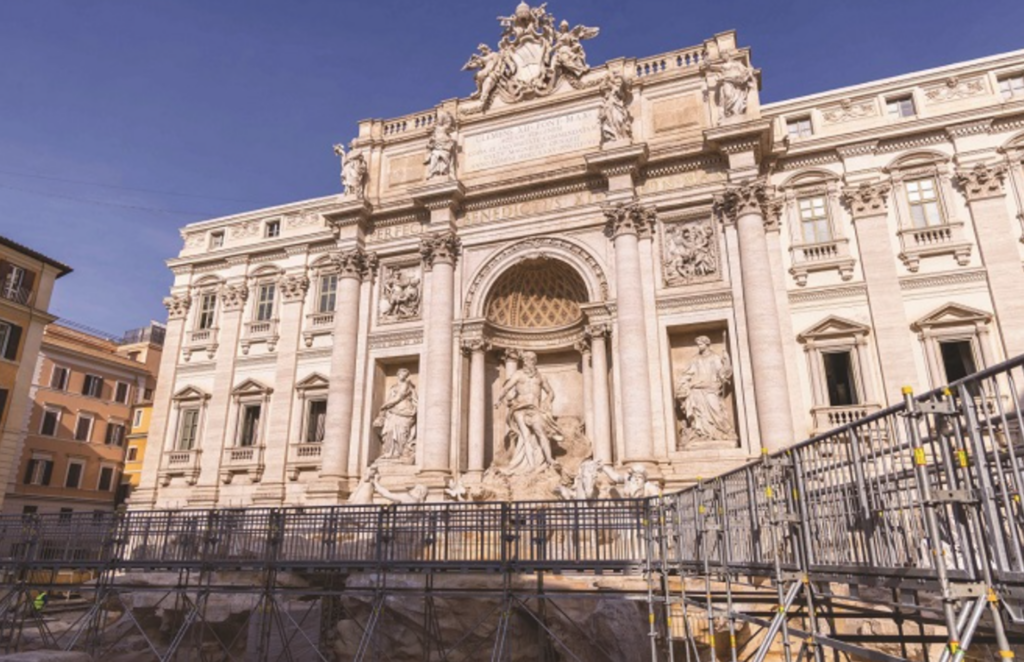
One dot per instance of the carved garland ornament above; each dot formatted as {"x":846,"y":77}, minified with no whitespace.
{"x":537,"y":247}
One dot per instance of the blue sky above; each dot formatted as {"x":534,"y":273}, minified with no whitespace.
{"x":121,"y":120}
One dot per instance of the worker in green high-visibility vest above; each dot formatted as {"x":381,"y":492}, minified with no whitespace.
{"x":40,"y":601}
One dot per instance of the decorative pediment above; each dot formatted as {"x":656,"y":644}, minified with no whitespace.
{"x":833,"y":327}
{"x":251,"y":387}
{"x":190,"y":393}
{"x":952,"y":314}
{"x":917,"y":160}
{"x":312,"y":382}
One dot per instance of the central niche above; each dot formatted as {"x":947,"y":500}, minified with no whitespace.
{"x":537,"y":293}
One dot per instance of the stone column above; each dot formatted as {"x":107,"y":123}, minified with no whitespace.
{"x":982,"y":185}
{"x":292,"y":291}
{"x":440,"y":251}
{"x":353,"y":266}
{"x":743,"y":205}
{"x":144,"y":497}
{"x":602,"y":434}
{"x":476,"y":349}
{"x":867,"y":204}
{"x":583,"y":347}
{"x":626,"y":222}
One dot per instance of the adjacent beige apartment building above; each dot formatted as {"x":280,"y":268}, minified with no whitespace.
{"x":26,"y":285}
{"x":83,"y":389}
{"x":634,"y":262}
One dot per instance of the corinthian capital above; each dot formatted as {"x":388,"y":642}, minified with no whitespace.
{"x":743,"y":199}
{"x":293,"y":288}
{"x":630,"y":218}
{"x":984,"y":180}
{"x":440,"y":248}
{"x":233,"y":297}
{"x":868,"y":199}
{"x":177,"y":306}
{"x":354,"y":263}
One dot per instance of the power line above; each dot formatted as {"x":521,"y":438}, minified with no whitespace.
{"x":122,"y":188}
{"x":60,"y":196}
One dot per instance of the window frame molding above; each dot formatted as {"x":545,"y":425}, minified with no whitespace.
{"x":953,"y":322}
{"x":67,"y":377}
{"x":247,"y":460}
{"x":183,"y":463}
{"x":838,"y":334}
{"x":832,"y":255}
{"x":197,"y":339}
{"x":92,"y":426}
{"x":57,"y":409}
{"x":82,"y":462}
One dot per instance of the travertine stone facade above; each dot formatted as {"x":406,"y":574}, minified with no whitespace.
{"x":683,"y":274}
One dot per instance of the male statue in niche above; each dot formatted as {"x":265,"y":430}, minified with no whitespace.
{"x":700,"y":395}
{"x":531,"y":427}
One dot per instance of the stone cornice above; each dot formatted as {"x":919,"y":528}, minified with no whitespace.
{"x":354,"y":211}
{"x":868,"y":199}
{"x":626,"y":159}
{"x":983,"y":181}
{"x":442,"y":195}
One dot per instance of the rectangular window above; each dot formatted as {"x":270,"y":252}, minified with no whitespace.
{"x":92,"y":386}
{"x":137,"y":420}
{"x":121,"y":393}
{"x":115,"y":435}
{"x":814,"y":220}
{"x":133,"y":453}
{"x":147,"y":394}
{"x":10,"y":336}
{"x":106,"y":481}
{"x":901,"y":107}
{"x":265,"y":302}
{"x":957,"y":359}
{"x":51,"y":419}
{"x":316,"y":421}
{"x":1011,"y":86}
{"x":59,"y":378}
{"x":13,"y":284}
{"x":3,"y":402}
{"x":328,"y":293}
{"x":207,"y":310}
{"x":799,"y":128}
{"x":217,"y":239}
{"x":74,"y":478}
{"x":273,"y":229}
{"x":39,"y":471}
{"x":83,"y":428}
{"x":250,"y":425}
{"x":842,"y":389}
{"x":188,"y":428}
{"x":924,"y":203}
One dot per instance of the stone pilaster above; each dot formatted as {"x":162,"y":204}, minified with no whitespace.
{"x":292,"y":291}
{"x":477,"y":349}
{"x":745,"y":205}
{"x":627,"y":221}
{"x":439,"y":251}
{"x":583,"y":347}
{"x":602,"y":432}
{"x":144,"y":498}
{"x":868,"y":204}
{"x":353,"y":266}
{"x":216,"y":435}
{"x":983,"y":187}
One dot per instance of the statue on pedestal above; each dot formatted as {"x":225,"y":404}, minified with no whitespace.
{"x":700,"y":394}
{"x":441,"y":147}
{"x":531,"y":427}
{"x":396,"y":421}
{"x":734,"y":80}
{"x":353,"y":171}
{"x":616,"y":121}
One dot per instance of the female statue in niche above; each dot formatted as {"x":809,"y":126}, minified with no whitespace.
{"x":396,"y":421}
{"x":701,"y":395}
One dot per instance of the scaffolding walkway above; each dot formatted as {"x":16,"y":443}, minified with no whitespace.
{"x":898,"y":536}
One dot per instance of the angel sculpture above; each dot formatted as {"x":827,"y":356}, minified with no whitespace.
{"x":569,"y":52}
{"x":489,"y":65}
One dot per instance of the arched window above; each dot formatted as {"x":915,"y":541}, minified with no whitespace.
{"x":817,"y":231}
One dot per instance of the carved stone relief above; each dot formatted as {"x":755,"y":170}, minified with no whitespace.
{"x":702,"y":389}
{"x":849,"y":110}
{"x":954,"y":88}
{"x":690,"y":252}
{"x":401,"y":294}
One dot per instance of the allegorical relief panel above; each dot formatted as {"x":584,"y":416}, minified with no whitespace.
{"x":401,"y":294}
{"x":690,"y":252}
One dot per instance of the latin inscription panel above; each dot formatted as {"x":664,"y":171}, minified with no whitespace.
{"x":531,"y":141}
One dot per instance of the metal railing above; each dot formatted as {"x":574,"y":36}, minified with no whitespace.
{"x":921,"y":500}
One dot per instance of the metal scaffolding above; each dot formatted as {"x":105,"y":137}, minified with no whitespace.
{"x":895,"y":537}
